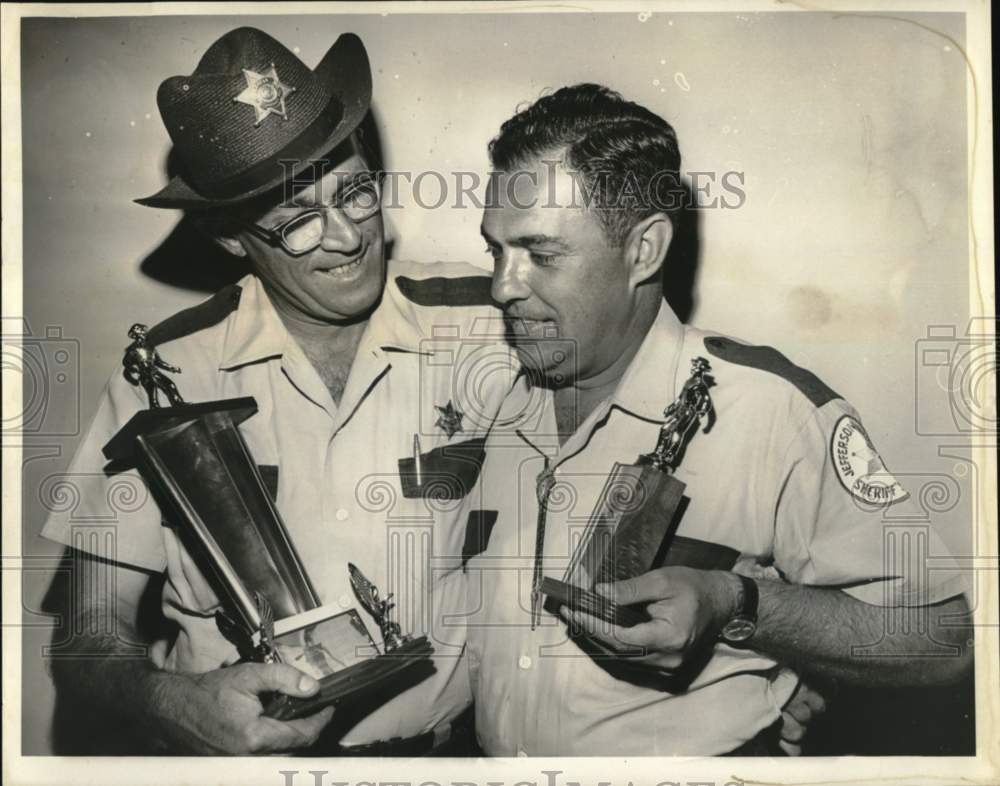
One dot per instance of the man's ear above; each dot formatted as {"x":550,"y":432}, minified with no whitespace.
{"x":646,"y":247}
{"x":221,"y":232}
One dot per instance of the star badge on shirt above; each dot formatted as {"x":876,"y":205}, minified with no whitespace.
{"x":266,"y":93}
{"x":450,"y":420}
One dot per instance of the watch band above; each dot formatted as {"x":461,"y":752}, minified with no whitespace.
{"x":743,"y":624}
{"x":749,"y":599}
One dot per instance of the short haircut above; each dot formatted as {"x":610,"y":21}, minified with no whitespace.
{"x":626,"y":156}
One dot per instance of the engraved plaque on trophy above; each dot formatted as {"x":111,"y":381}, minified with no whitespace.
{"x":202,"y":473}
{"x":631,"y":529}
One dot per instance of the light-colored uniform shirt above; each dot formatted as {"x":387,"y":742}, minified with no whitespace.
{"x":338,"y":477}
{"x":785,"y":476}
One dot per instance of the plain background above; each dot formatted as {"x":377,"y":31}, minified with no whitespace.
{"x":851,"y":244}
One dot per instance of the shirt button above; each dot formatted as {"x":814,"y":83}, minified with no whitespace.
{"x":345,"y":601}
{"x":524,"y":662}
{"x":342,"y":514}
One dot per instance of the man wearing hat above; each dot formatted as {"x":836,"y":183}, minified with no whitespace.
{"x":353,"y":368}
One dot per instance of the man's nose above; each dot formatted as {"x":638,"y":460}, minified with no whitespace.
{"x":509,"y":283}
{"x":340,"y":234}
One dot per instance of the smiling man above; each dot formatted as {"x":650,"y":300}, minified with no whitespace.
{"x":581,"y":212}
{"x":350,"y":363}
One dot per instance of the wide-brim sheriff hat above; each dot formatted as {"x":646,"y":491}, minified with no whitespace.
{"x":252,"y":115}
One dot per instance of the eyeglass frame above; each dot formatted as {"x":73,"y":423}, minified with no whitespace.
{"x":275,"y":237}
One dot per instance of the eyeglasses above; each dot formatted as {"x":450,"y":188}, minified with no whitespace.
{"x":359,"y":200}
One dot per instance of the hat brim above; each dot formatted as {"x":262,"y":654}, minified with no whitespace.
{"x":352,"y":98}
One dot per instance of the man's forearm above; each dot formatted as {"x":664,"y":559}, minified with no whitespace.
{"x":218,"y":712}
{"x":826,"y":632}
{"x":109,"y":676}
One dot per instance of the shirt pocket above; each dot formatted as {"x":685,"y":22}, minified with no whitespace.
{"x":446,"y":472}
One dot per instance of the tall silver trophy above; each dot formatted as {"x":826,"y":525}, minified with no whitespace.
{"x":200,"y":469}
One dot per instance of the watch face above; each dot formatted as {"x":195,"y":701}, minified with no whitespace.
{"x":739,"y":629}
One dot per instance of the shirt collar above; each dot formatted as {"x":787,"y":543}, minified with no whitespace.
{"x":256,"y":332}
{"x":648,"y":385}
{"x":390,"y":329}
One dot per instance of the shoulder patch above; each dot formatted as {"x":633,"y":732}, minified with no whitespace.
{"x":440,"y":291}
{"x":191,"y":320}
{"x":770,"y":360}
{"x":859,"y":467}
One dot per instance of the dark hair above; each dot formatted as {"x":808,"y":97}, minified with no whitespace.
{"x":626,"y":156}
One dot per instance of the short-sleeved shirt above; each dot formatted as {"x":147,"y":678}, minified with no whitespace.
{"x":419,"y":370}
{"x":785,"y":476}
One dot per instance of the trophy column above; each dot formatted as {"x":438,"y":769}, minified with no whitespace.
{"x":204,"y":475}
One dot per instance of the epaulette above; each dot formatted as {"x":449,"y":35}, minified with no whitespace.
{"x":191,"y":320}
{"x":440,"y":291}
{"x":769,"y":359}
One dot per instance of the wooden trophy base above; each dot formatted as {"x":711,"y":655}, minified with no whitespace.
{"x":559,"y":593}
{"x":354,"y":681}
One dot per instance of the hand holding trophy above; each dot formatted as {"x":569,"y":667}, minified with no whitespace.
{"x":200,"y":469}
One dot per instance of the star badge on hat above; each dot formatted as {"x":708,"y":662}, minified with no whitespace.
{"x":450,"y":421}
{"x":266,"y":93}
{"x":220,"y":160}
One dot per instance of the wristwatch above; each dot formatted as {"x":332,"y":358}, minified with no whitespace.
{"x":743,"y":625}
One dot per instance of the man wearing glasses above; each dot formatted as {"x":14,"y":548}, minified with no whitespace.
{"x":342,"y":357}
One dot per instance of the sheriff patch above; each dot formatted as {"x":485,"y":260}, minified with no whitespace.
{"x":859,"y":467}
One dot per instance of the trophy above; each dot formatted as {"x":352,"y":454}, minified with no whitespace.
{"x":631,"y":530}
{"x":200,"y":469}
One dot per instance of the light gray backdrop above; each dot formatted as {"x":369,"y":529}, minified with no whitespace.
{"x":851,"y":132}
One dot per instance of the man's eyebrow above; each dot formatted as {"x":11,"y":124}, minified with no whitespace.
{"x":528,"y":241}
